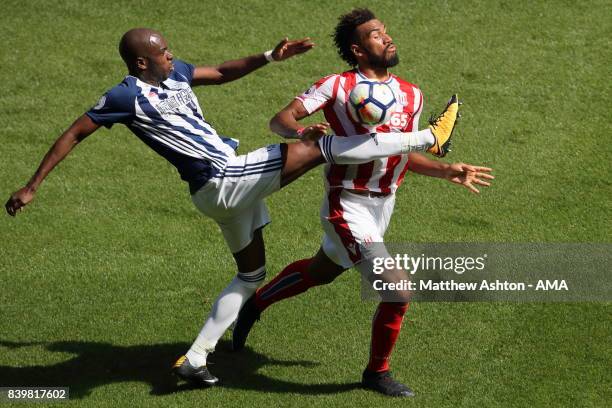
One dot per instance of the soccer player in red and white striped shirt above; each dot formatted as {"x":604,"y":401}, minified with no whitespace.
{"x":359,"y":198}
{"x":330,"y":94}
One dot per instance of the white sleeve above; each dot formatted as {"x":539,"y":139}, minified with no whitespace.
{"x":318,"y":95}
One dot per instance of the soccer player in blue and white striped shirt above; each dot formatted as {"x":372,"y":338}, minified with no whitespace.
{"x":156,"y":102}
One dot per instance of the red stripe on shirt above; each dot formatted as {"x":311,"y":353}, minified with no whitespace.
{"x":330,"y":114}
{"x":408,"y":88}
{"x":336,"y":173}
{"x":364,"y":173}
{"x":400,"y":178}
{"x":384,"y":182}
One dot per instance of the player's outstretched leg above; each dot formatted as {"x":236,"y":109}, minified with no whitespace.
{"x":363,"y":148}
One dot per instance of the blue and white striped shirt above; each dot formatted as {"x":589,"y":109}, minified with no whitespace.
{"x":168,"y":118}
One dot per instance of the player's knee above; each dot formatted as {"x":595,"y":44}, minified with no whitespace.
{"x":401,"y":298}
{"x":323,"y":276}
{"x":254,"y":279}
{"x":310,"y":149}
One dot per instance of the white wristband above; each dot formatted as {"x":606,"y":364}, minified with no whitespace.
{"x":269,"y":57}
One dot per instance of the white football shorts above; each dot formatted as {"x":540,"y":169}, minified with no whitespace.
{"x":352,"y":223}
{"x":235,"y":197}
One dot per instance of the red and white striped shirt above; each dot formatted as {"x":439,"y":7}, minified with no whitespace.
{"x":331,"y":94}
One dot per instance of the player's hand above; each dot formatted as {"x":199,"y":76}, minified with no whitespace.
{"x":314,"y":132}
{"x":467,"y":175}
{"x":18,"y":200}
{"x":289,"y":48}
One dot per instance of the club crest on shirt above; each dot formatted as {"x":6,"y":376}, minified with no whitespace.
{"x":310,"y":90}
{"x":403,"y":98}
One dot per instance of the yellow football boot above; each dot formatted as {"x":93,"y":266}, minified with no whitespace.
{"x":442,"y":127}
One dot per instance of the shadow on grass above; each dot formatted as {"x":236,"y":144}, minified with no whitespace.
{"x":98,"y":364}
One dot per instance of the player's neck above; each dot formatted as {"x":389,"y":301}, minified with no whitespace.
{"x":377,"y":74}
{"x":150,"y":81}
{"x":145,"y":78}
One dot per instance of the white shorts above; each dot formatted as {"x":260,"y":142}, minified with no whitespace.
{"x":352,"y":223}
{"x":234,"y":198}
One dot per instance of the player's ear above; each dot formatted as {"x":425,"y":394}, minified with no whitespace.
{"x":356,"y":50}
{"x":142,"y":63}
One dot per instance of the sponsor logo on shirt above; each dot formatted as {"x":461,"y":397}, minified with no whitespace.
{"x":176,"y":101}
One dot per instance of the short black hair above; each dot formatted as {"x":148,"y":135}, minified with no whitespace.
{"x":344,"y":34}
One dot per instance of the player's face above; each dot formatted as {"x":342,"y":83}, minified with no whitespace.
{"x":160,"y":58}
{"x":376,"y":46}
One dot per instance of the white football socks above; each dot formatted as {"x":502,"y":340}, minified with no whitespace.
{"x":364,"y":148}
{"x":224,"y":312}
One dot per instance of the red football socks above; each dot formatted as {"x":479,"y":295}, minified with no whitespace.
{"x":386,"y":326}
{"x":292,"y":281}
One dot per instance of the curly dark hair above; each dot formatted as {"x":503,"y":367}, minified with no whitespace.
{"x":344,"y":34}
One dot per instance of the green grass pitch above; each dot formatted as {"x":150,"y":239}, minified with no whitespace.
{"x":107,"y":276}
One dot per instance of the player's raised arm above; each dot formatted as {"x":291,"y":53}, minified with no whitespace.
{"x":78,"y":131}
{"x":234,"y":69}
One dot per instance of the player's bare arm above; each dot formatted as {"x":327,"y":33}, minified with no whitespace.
{"x":235,"y":69}
{"x":286,"y":123}
{"x":78,"y":131}
{"x":459,"y":173}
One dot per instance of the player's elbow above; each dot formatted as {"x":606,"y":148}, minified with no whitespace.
{"x":282,"y":121}
{"x":274,"y":123}
{"x":220,"y":80}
